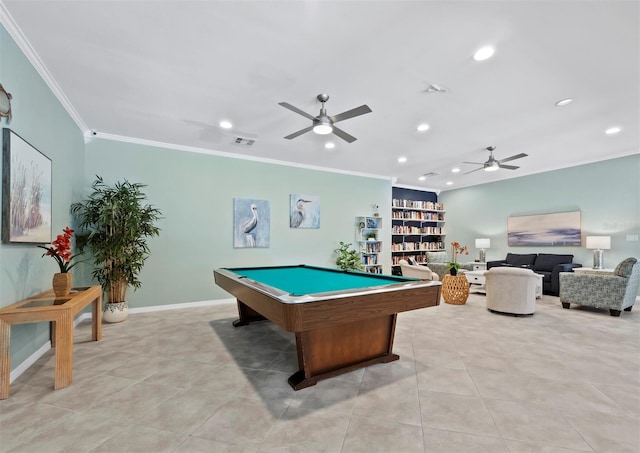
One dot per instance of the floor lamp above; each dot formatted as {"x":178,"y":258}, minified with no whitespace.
{"x":598,"y":244}
{"x":482,"y":244}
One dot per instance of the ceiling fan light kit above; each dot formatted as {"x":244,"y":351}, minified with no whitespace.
{"x":323,"y":124}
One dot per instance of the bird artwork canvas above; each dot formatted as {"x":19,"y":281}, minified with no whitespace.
{"x":251,"y":223}
{"x":304,"y":211}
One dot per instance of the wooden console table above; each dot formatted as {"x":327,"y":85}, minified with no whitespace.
{"x":60,"y":311}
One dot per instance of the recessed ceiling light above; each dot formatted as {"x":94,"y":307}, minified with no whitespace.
{"x":613,"y":130}
{"x":455,"y":170}
{"x":563,"y":102}
{"x":224,"y":124}
{"x":483,"y":53}
{"x":402,"y":159}
{"x":329,"y":145}
{"x":449,"y":183}
{"x":422,"y":178}
{"x":423,"y":127}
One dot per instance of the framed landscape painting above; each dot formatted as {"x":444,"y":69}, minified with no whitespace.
{"x":557,"y":229}
{"x":26,"y":192}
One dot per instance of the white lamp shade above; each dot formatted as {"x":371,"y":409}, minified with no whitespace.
{"x":599,"y":242}
{"x":483,"y":243}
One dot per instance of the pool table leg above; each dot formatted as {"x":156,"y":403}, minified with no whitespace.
{"x":246,"y":315}
{"x":329,"y":351}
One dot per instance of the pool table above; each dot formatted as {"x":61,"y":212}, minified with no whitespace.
{"x":342,"y":320}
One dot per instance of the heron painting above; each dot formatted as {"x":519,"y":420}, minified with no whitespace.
{"x":304,"y":211}
{"x":251,"y":223}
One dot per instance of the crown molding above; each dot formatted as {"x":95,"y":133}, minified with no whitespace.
{"x":92,"y":135}
{"x":25,"y":46}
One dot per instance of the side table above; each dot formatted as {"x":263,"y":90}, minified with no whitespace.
{"x":60,"y":311}
{"x":455,"y":289}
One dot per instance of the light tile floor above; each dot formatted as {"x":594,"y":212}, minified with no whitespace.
{"x":468,"y":380}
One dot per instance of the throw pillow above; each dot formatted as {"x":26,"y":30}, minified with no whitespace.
{"x":516,"y":259}
{"x":411,"y":261}
{"x":625,"y":267}
{"x":547,"y":261}
{"x":437,"y":257}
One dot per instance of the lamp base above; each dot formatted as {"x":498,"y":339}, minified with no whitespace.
{"x":483,"y":256}
{"x":598,"y":259}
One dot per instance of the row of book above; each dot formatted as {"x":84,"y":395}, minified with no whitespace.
{"x":406,"y":229}
{"x":395,"y":260}
{"x":420,"y":246}
{"x":370,"y":247}
{"x":417,"y":204}
{"x":417,"y":215}
{"x":369,"y":260}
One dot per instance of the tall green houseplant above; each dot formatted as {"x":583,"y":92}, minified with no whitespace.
{"x":114,"y":224}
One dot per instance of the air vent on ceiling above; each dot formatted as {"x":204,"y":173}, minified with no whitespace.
{"x":427,"y":175}
{"x":244,"y":141}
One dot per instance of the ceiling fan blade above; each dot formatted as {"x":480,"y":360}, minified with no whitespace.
{"x":286,"y":105}
{"x":300,"y":132}
{"x":508,"y":167}
{"x":474,"y":163}
{"x":343,"y":135}
{"x":517,"y":156}
{"x":479,"y":168}
{"x":351,"y":113}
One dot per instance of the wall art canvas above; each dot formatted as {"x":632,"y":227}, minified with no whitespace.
{"x":26,"y":192}
{"x":304,"y":211}
{"x":251,"y":223}
{"x":557,"y":229}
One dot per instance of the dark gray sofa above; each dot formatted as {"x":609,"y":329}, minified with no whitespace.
{"x":549,"y":265}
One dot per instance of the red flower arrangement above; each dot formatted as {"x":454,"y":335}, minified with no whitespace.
{"x":60,"y":250}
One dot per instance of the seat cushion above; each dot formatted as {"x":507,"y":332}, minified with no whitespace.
{"x":515,"y":259}
{"x":547,"y":261}
{"x":625,"y":267}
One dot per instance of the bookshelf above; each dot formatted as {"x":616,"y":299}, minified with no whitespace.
{"x":369,"y":243}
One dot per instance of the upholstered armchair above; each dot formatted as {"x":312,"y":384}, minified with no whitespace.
{"x":511,"y":290}
{"x":616,"y":291}
{"x":417,"y":271}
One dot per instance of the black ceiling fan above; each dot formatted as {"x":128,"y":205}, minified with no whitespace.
{"x":494,"y":164}
{"x":324,"y":124}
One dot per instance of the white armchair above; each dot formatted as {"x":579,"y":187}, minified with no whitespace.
{"x":511,"y":290}
{"x":417,"y":271}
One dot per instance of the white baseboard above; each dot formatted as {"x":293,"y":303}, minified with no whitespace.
{"x":33,"y":358}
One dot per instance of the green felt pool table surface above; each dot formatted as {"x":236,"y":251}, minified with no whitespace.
{"x":299,"y":280}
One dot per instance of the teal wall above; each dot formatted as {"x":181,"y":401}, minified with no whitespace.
{"x":195,"y":193}
{"x":41,"y":120}
{"x":607,"y":194}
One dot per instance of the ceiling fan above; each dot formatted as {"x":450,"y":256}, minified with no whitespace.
{"x":493,"y":164}
{"x":324,"y":124}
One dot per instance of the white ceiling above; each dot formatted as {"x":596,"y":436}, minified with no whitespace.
{"x":170,"y":71}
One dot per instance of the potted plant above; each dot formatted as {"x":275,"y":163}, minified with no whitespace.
{"x":456,"y":249}
{"x":348,"y":259}
{"x":114,"y":224}
{"x":60,"y":250}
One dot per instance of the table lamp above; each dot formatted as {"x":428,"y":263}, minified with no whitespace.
{"x":482,"y":244}
{"x":598,"y":244}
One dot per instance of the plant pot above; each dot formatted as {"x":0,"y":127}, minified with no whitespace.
{"x":453,"y":271}
{"x":115,"y":312}
{"x":62,"y":283}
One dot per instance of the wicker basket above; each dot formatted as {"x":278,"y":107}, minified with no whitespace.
{"x":455,"y":289}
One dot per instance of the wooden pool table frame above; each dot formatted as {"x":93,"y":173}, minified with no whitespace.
{"x":335,"y":332}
